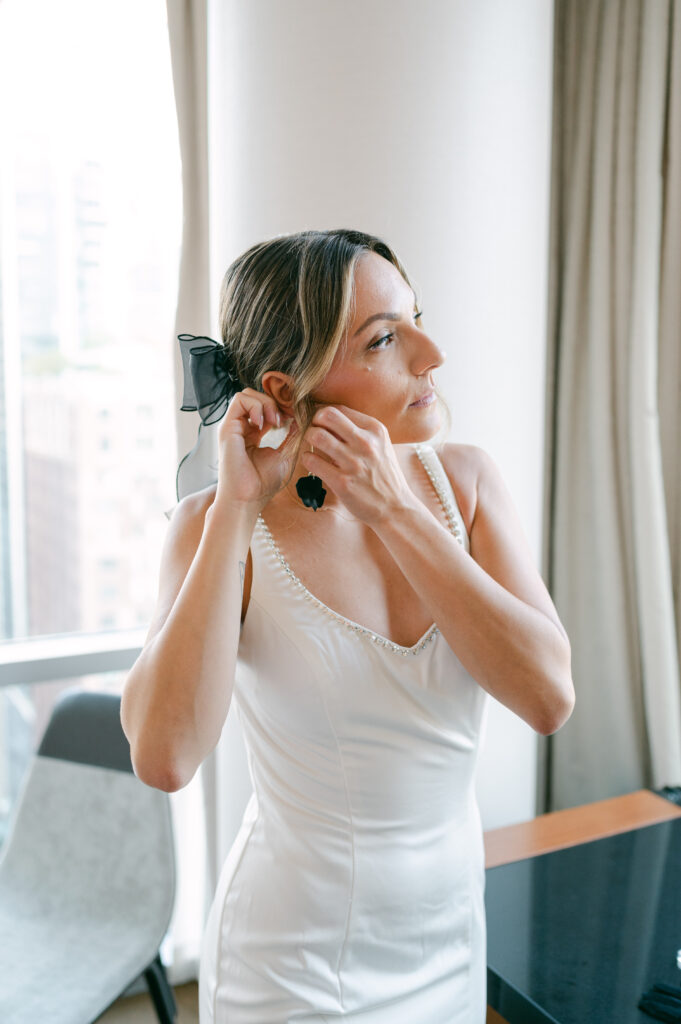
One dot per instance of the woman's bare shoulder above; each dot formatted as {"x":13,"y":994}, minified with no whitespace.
{"x":187,"y":520}
{"x":462,"y":464}
{"x":191,"y":513}
{"x":186,"y":529}
{"x":194,"y":507}
{"x":181,"y":544}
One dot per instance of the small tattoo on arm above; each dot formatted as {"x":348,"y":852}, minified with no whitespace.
{"x":242,"y":572}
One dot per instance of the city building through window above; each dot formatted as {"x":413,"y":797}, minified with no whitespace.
{"x":90,"y":234}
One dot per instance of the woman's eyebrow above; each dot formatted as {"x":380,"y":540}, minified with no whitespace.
{"x":379,"y":316}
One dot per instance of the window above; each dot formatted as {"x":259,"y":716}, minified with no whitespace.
{"x":90,"y":234}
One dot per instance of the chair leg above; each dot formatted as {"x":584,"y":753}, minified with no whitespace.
{"x":160,"y":991}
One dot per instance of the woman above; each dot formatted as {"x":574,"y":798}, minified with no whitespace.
{"x":369,"y":622}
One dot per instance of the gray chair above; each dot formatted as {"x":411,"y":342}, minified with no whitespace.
{"x":87,"y":874}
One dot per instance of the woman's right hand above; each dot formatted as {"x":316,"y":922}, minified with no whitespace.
{"x":249,"y":475}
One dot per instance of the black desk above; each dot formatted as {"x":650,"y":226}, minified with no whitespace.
{"x":577,"y":935}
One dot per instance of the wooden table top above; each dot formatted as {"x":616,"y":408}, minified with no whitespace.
{"x":560,"y":829}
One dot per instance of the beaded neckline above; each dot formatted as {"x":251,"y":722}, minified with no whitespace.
{"x":355,"y":627}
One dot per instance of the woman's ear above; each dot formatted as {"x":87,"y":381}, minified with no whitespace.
{"x":279,"y":386}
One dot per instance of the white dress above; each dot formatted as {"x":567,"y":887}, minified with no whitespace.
{"x":354,"y":889}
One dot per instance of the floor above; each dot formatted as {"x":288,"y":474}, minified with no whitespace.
{"x":140,"y":1009}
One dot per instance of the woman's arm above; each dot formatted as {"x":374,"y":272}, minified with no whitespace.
{"x":177,"y":694}
{"x":492,"y":606}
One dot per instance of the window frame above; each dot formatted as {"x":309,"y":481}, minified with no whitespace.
{"x":45,"y":659}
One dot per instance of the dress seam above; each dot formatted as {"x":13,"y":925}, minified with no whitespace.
{"x":223,"y":908}
{"x":352,"y":841}
{"x":345,"y":787}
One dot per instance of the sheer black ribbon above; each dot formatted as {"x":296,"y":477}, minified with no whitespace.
{"x":210,"y":378}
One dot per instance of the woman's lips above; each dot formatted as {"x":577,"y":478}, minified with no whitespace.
{"x":426,"y":400}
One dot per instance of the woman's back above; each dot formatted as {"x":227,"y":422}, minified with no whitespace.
{"x":355,"y":886}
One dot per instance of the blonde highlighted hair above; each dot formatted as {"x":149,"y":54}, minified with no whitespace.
{"x":286,"y":304}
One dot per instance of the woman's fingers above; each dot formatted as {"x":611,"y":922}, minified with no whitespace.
{"x":354,"y":457}
{"x":347,"y":423}
{"x":339,"y":438}
{"x":258,"y":410}
{"x":327,"y":447}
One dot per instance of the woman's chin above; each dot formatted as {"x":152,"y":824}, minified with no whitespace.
{"x":424,"y":424}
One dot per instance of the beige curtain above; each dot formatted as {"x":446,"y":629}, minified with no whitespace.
{"x":187,"y":29}
{"x":209,"y":811}
{"x":613,"y":500}
{"x":188,"y":34}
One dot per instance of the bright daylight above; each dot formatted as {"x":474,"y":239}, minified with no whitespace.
{"x":340,"y":561}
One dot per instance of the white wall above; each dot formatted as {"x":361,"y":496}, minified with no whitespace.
{"x":428,"y":124}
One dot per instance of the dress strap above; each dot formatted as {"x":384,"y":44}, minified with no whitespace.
{"x":433,"y":466}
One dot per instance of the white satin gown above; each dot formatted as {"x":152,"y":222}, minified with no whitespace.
{"x":354,"y":889}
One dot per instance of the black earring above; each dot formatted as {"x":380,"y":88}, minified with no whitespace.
{"x":310,"y":490}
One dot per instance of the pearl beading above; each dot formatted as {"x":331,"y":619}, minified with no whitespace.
{"x":376,"y":638}
{"x":445,"y":501}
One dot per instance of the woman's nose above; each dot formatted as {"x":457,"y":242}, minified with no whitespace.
{"x":427,"y":354}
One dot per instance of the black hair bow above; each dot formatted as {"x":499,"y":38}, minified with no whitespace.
{"x":210,"y":378}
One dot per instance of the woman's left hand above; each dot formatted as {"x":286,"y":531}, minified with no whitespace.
{"x":354,"y":456}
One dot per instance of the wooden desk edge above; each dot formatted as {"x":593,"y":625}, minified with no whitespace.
{"x":561,"y":829}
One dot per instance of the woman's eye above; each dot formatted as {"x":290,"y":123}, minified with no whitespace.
{"x":389,"y":337}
